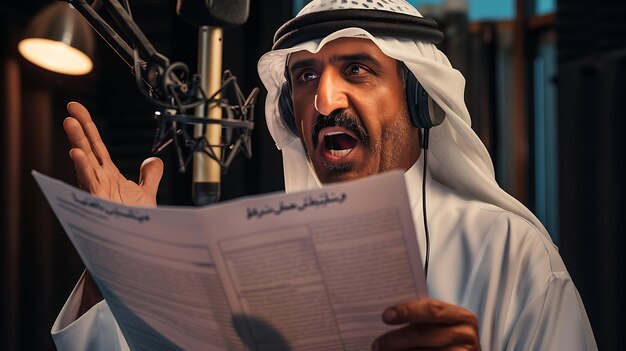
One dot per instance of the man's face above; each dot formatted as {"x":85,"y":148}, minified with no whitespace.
{"x":351,"y":111}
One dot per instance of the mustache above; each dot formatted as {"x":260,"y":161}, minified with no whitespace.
{"x":343,"y":119}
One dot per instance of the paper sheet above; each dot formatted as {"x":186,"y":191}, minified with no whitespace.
{"x":301,"y":271}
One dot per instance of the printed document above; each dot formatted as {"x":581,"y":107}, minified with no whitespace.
{"x":300,"y":271}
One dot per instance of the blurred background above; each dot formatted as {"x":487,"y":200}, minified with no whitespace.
{"x":546,"y":88}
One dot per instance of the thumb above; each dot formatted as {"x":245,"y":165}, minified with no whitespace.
{"x":150,"y":174}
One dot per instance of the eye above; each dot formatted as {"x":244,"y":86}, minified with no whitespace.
{"x":306,"y":76}
{"x":356,"y":70}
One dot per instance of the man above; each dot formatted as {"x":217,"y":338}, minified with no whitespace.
{"x":495,"y":280}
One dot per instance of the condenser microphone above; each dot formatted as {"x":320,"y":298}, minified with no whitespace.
{"x":210,"y":17}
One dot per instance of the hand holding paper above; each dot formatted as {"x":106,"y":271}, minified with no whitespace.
{"x":428,"y":323}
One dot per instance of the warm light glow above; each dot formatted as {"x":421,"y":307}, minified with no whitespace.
{"x":55,"y":56}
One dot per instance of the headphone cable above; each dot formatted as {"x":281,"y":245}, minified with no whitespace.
{"x":425,"y":148}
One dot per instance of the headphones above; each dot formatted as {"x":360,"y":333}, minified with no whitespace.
{"x":423,"y":111}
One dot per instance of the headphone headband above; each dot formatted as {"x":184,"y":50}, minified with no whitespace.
{"x":316,"y":25}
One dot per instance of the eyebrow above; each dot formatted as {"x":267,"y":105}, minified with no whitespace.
{"x":360,"y":56}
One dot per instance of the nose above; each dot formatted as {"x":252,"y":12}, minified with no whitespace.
{"x":331,"y":93}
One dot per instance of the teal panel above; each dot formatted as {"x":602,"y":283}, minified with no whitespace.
{"x":543,"y":7}
{"x":488,"y":10}
{"x":298,"y":5}
{"x":546,"y":139}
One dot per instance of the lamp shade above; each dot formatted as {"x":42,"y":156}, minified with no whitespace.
{"x":60,"y":40}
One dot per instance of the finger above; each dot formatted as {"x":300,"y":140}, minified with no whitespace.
{"x":79,"y":112}
{"x":79,"y":140}
{"x":429,"y":311}
{"x":150,"y":174}
{"x":412,"y":337}
{"x":85,"y":172}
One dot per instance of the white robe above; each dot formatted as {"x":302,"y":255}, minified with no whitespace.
{"x":488,"y":260}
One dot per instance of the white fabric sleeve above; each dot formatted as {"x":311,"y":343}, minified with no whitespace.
{"x":95,"y":330}
{"x":520,"y":289}
{"x":554,"y":319}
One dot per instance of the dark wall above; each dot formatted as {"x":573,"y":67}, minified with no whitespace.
{"x":592,"y":108}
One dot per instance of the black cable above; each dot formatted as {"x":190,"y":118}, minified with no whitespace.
{"x":425,"y":147}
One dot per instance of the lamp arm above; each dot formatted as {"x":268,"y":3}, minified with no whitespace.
{"x":104,"y":31}
{"x":135,"y":35}
{"x":153,"y":65}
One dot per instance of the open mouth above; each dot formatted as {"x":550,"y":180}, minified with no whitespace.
{"x":339,"y":144}
{"x":337,"y":141}
{"x":337,"y":137}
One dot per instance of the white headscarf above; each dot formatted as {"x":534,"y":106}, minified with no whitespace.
{"x":457,"y":157}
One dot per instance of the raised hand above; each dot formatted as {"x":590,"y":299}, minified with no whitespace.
{"x":430,"y":325}
{"x":97,"y":173}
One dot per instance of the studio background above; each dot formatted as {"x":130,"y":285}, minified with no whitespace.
{"x":545,"y":88}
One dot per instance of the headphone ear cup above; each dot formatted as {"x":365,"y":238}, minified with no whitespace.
{"x":423,"y":110}
{"x":285,"y":108}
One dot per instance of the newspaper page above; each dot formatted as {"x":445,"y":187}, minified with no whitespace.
{"x":302,"y":271}
{"x":152,"y":267}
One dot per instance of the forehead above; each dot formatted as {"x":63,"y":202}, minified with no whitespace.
{"x":342,"y":47}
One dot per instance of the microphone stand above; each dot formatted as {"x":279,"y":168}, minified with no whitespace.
{"x":206,"y":180}
{"x":174,"y":92}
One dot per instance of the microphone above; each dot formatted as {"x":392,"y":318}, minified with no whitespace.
{"x":210,"y":17}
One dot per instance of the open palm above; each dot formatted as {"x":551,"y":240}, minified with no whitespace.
{"x":97,"y":173}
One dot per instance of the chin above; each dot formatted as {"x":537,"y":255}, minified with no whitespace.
{"x":336,"y":173}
